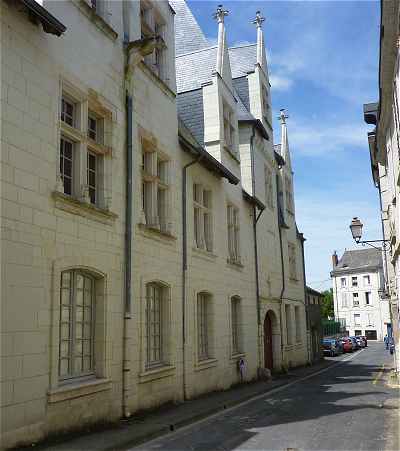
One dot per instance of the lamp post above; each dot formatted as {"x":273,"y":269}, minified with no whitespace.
{"x":356,"y":227}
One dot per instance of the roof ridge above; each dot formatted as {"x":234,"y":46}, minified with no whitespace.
{"x":196,"y":51}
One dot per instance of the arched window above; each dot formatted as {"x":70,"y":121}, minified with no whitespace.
{"x":77,"y":312}
{"x":157,"y":300}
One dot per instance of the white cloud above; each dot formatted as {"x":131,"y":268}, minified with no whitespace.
{"x":280,"y":82}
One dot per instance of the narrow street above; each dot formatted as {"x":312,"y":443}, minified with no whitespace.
{"x":349,"y":406}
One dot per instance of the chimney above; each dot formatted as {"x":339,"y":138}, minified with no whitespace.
{"x":334,"y":259}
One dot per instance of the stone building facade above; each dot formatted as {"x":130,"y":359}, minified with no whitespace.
{"x":141,"y":257}
{"x":384,"y":149}
{"x":314,"y":324}
{"x":357,"y":280}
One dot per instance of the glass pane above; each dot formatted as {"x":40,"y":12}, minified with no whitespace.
{"x":79,"y":281}
{"x":79,"y":297}
{"x":79,"y":314}
{"x":87,"y":314}
{"x":77,"y":365}
{"x":64,"y":331}
{"x":67,"y":186}
{"x":78,"y":347}
{"x":64,"y":349}
{"x":86,"y":364}
{"x":65,"y":279}
{"x":78,"y":330}
{"x":64,"y":314}
{"x":64,"y":367}
{"x":87,"y":330}
{"x":65,"y":297}
{"x":87,"y":347}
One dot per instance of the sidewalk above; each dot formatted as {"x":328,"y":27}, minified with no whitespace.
{"x":143,"y":427}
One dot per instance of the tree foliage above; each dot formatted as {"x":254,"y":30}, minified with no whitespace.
{"x":327,"y":310}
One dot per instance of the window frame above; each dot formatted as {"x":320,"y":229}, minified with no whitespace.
{"x":354,"y":281}
{"x":233,"y":226}
{"x":356,"y":300}
{"x":269,"y":187}
{"x":72,"y":336}
{"x":203,"y":229}
{"x":204,"y":326}
{"x":236,"y":325}
{"x":292,"y":257}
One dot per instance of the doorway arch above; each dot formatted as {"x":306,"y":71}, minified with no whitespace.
{"x":270,"y":331}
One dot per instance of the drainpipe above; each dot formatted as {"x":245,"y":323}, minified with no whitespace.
{"x":184,"y":270}
{"x":282,"y":266}
{"x":255,"y":220}
{"x":128,"y":259}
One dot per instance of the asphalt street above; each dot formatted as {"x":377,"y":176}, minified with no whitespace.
{"x":348,"y":406}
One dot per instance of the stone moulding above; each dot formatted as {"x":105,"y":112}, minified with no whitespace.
{"x":156,"y":373}
{"x":78,"y":389}
{"x":77,"y":207}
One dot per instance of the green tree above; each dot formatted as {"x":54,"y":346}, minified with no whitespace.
{"x":327,"y":310}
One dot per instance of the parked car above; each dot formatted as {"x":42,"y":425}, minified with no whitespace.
{"x":330,"y":347}
{"x":339,"y":345}
{"x":356,"y":347}
{"x":362,"y":340}
{"x":347,"y":344}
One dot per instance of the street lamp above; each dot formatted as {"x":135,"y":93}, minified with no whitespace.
{"x":356,"y":230}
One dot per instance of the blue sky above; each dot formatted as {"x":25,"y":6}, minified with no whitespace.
{"x":323,"y":61}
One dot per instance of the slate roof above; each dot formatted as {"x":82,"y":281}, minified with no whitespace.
{"x":243,"y":59}
{"x":360,"y":259}
{"x":186,"y":25}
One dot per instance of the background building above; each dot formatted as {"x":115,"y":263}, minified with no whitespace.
{"x":357,"y":286}
{"x":314,"y":324}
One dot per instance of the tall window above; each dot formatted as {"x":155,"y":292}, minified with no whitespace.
{"x":343,"y":282}
{"x":289,"y":194}
{"x":87,"y":186}
{"x":203,"y":224}
{"x":67,"y":161}
{"x":229,"y":127}
{"x":356,"y":301}
{"x":367,"y":298}
{"x":357,"y":319}
{"x":354,"y":281}
{"x":233,"y":234}
{"x":289,"y":338}
{"x":77,"y":310}
{"x":297,"y":324}
{"x":236,"y":326}
{"x":156,"y":308}
{"x":269,"y":193}
{"x":370,"y":318}
{"x":203,"y":326}
{"x":344,"y":300}
{"x":292,"y":261}
{"x":155,"y":190}
{"x":367,"y":280}
{"x":265,"y":102}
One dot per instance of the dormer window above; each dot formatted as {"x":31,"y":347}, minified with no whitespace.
{"x":229,"y":128}
{"x":152,"y":25}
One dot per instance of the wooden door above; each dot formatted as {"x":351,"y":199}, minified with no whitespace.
{"x":268,"y":361}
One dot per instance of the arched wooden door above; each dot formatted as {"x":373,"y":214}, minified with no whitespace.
{"x":268,"y":360}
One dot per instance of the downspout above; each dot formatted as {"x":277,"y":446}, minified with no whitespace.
{"x":308,"y":325}
{"x":282,"y":265}
{"x":184,"y":270}
{"x":128,"y":258}
{"x":255,"y":220}
{"x":128,"y":222}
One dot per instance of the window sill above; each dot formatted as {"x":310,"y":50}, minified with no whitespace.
{"x":235,"y":264}
{"x":232,"y":153}
{"x":86,"y":210}
{"x":235,"y":357}
{"x":152,"y":232}
{"x":157,"y":80}
{"x":100,"y":23}
{"x":205,"y":364}
{"x":156,"y":373}
{"x":202,"y":253}
{"x":77,"y":389}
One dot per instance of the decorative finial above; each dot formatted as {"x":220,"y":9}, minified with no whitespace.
{"x":259,"y":19}
{"x":220,"y":14}
{"x":283,"y":116}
